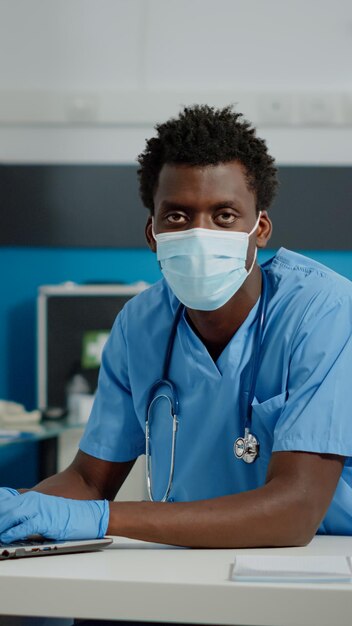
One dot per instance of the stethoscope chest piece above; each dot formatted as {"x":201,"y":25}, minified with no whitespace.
{"x":247,"y":447}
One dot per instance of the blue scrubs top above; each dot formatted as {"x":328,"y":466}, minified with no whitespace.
{"x":301,"y":397}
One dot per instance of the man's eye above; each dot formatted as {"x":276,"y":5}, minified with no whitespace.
{"x":175,"y":218}
{"x":226,"y":218}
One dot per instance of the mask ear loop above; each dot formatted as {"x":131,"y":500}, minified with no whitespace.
{"x":255,"y":225}
{"x":153,"y":231}
{"x":154,"y":235}
{"x":256,"y":249}
{"x":254,"y":260}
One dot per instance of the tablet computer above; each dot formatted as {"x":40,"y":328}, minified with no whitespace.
{"x":47,"y":547}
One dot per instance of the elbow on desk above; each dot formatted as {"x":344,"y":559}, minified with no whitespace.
{"x":299,"y":532}
{"x":292,"y":525}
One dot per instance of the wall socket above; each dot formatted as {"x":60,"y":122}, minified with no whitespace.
{"x":274,"y":109}
{"x":347,"y":109}
{"x":82,"y":109}
{"x":318,"y":110}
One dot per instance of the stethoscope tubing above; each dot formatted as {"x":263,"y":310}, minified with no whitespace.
{"x":148,"y":454}
{"x":173,"y":397}
{"x":258,"y":345}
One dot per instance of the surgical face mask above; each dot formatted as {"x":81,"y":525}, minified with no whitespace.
{"x":203,"y":267}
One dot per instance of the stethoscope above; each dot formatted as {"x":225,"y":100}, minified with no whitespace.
{"x":246,"y":447}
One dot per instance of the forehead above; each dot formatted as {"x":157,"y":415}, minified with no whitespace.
{"x":188,"y":183}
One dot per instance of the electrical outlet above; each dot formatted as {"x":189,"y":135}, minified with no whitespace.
{"x":317,"y":109}
{"x":347,"y":109}
{"x":82,"y":109}
{"x":274,"y":109}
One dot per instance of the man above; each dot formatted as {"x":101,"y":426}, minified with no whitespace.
{"x":260,"y":352}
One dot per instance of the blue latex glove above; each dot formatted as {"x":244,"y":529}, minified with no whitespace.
{"x":7,"y":492}
{"x":34,"y":513}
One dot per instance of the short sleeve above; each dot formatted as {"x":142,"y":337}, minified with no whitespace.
{"x":113,"y":432}
{"x":317,"y":415}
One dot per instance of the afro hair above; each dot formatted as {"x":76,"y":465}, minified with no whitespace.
{"x":203,"y":135}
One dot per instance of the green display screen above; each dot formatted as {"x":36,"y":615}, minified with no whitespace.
{"x":93,"y":342}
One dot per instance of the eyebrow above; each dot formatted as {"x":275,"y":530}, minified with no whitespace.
{"x":167,"y":205}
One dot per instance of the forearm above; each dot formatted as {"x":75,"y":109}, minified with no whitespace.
{"x":87,"y":478}
{"x":69,"y":484}
{"x":254,"y":518}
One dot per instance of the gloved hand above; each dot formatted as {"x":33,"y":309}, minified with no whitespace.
{"x":34,"y":513}
{"x":7,"y":492}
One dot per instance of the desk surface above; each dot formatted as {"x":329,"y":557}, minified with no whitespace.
{"x":139,"y":581}
{"x":34,"y":431}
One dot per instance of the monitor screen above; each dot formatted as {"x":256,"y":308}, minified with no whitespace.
{"x":73,"y":329}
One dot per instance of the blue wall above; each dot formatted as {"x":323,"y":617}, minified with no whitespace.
{"x":24,"y":269}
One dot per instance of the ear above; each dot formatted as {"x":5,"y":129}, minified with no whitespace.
{"x":264,"y":230}
{"x":149,"y":234}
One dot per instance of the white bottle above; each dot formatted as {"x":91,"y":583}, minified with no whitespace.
{"x":76,"y":389}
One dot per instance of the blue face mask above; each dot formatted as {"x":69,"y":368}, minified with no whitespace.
{"x":203,"y":267}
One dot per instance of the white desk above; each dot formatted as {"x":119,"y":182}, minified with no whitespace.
{"x":140,"y":581}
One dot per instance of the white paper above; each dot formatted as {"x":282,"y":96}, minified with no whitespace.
{"x":265,"y":568}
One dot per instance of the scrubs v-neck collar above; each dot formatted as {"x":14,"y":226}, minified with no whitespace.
{"x":233,"y":350}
